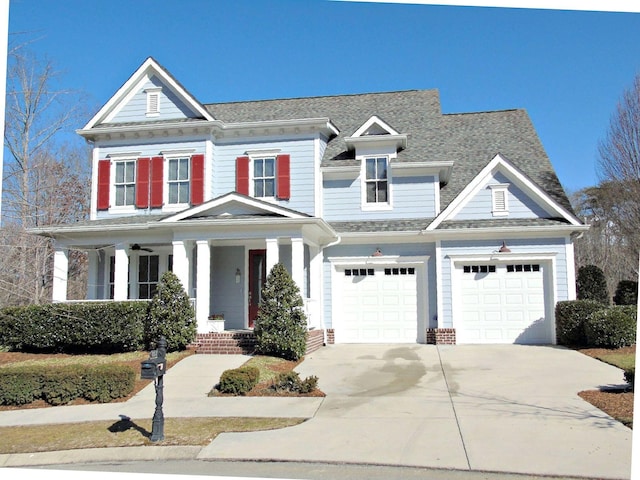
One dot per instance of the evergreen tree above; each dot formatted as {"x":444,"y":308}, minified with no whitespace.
{"x":592,"y":285}
{"x":281,"y":326}
{"x":171,"y":314}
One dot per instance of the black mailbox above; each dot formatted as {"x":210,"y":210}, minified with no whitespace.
{"x":152,"y":368}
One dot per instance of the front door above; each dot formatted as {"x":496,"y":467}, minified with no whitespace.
{"x":257,"y":277}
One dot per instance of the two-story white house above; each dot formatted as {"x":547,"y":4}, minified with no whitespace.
{"x":397,"y":222}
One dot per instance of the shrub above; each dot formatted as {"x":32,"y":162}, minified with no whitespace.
{"x":626,"y":293}
{"x":171,"y":315}
{"x":613,"y":327}
{"x":592,"y":285}
{"x":291,"y":382}
{"x":281,"y":325}
{"x":92,"y":327}
{"x":570,"y":319}
{"x":104,"y":383}
{"x":630,"y":376}
{"x":239,"y":381}
{"x":20,"y":385}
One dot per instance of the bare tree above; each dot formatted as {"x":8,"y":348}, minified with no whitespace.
{"x":46,"y":178}
{"x":619,"y":169}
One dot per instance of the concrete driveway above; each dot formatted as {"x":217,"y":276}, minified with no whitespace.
{"x":504,"y":408}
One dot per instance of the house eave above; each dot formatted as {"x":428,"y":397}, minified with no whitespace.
{"x":500,"y":232}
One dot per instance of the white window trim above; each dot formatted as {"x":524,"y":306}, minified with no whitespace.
{"x":496,"y":191}
{"x":165,"y":194}
{"x":375,"y":206}
{"x":256,"y":155}
{"x":151,"y":94}
{"x":112,"y":183}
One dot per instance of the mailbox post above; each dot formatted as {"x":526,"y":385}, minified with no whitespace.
{"x":154,"y":368}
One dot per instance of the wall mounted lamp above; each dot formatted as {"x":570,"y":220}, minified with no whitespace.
{"x":238,"y":275}
{"x":504,"y":248}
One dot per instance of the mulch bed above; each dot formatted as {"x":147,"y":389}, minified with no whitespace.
{"x":617,"y":403}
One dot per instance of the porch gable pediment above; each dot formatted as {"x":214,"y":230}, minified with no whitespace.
{"x":234,"y":205}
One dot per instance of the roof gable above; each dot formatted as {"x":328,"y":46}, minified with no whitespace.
{"x":500,"y":167}
{"x":234,"y":205}
{"x":129,"y":103}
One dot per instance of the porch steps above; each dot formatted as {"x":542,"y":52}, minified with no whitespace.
{"x":243,"y":342}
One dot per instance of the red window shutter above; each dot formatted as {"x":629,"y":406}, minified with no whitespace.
{"x":197,"y":179}
{"x":242,"y":175}
{"x":157,"y":181}
{"x":284,"y":179}
{"x":104,"y":184}
{"x":143,"y":166}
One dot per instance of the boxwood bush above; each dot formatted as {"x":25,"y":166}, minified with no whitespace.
{"x":239,"y":381}
{"x":570,"y":319}
{"x":613,"y":327}
{"x":20,"y":385}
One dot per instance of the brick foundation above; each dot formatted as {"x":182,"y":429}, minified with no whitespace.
{"x":243,"y":342}
{"x":331,"y":336}
{"x":441,"y":336}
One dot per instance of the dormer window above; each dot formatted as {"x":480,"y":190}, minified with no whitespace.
{"x":500,"y":199}
{"x":376,"y":180}
{"x":153,"y":101}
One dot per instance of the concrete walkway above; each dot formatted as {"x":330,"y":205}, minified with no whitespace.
{"x":490,"y":408}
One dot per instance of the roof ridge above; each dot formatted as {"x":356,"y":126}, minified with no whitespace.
{"x":324,"y":96}
{"x":486,"y":111}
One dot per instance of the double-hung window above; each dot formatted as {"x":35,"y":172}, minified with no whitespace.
{"x":125,"y":182}
{"x":178,"y":180}
{"x":376,"y":182}
{"x":264,"y":177}
{"x":148,"y":274}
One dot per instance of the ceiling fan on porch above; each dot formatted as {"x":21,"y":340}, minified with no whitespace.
{"x":136,"y":246}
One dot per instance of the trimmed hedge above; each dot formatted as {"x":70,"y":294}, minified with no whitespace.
{"x":613,"y":327}
{"x":91,"y":327}
{"x":630,"y":376}
{"x":20,"y":385}
{"x":291,"y":382}
{"x":570,"y":319}
{"x":238,"y":381}
{"x":626,"y":293}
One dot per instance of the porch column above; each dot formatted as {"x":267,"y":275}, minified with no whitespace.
{"x":315,"y":287}
{"x":203,"y":284}
{"x":181,"y":264}
{"x":297,"y":264}
{"x":121,"y":274}
{"x":60,"y":274}
{"x":273,"y":253}
{"x":92,"y":275}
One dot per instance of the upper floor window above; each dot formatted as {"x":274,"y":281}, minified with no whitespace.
{"x":376,"y":181}
{"x":178,"y":180}
{"x":264,"y":177}
{"x":125,"y":182}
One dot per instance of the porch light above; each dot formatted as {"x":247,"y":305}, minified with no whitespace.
{"x":238,"y":274}
{"x":504,"y":248}
{"x":377,"y":253}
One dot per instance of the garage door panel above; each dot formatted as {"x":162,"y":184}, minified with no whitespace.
{"x":502,"y":306}
{"x":378,"y":306}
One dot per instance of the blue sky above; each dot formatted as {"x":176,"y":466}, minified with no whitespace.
{"x":566,"y":68}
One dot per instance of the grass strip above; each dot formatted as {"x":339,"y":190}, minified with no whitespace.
{"x":129,"y":433}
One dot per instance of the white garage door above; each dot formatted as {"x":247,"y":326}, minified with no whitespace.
{"x":503,"y":304}
{"x":378,"y":305}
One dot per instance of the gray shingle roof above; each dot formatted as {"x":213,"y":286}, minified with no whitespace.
{"x":373,"y":226}
{"x":501,"y":222}
{"x":470,"y":140}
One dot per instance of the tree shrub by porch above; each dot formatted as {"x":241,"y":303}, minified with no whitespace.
{"x":90,"y":327}
{"x":570,"y":319}
{"x":281,"y":325}
{"x":612,"y":327}
{"x":171,"y":315}
{"x":20,"y":385}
